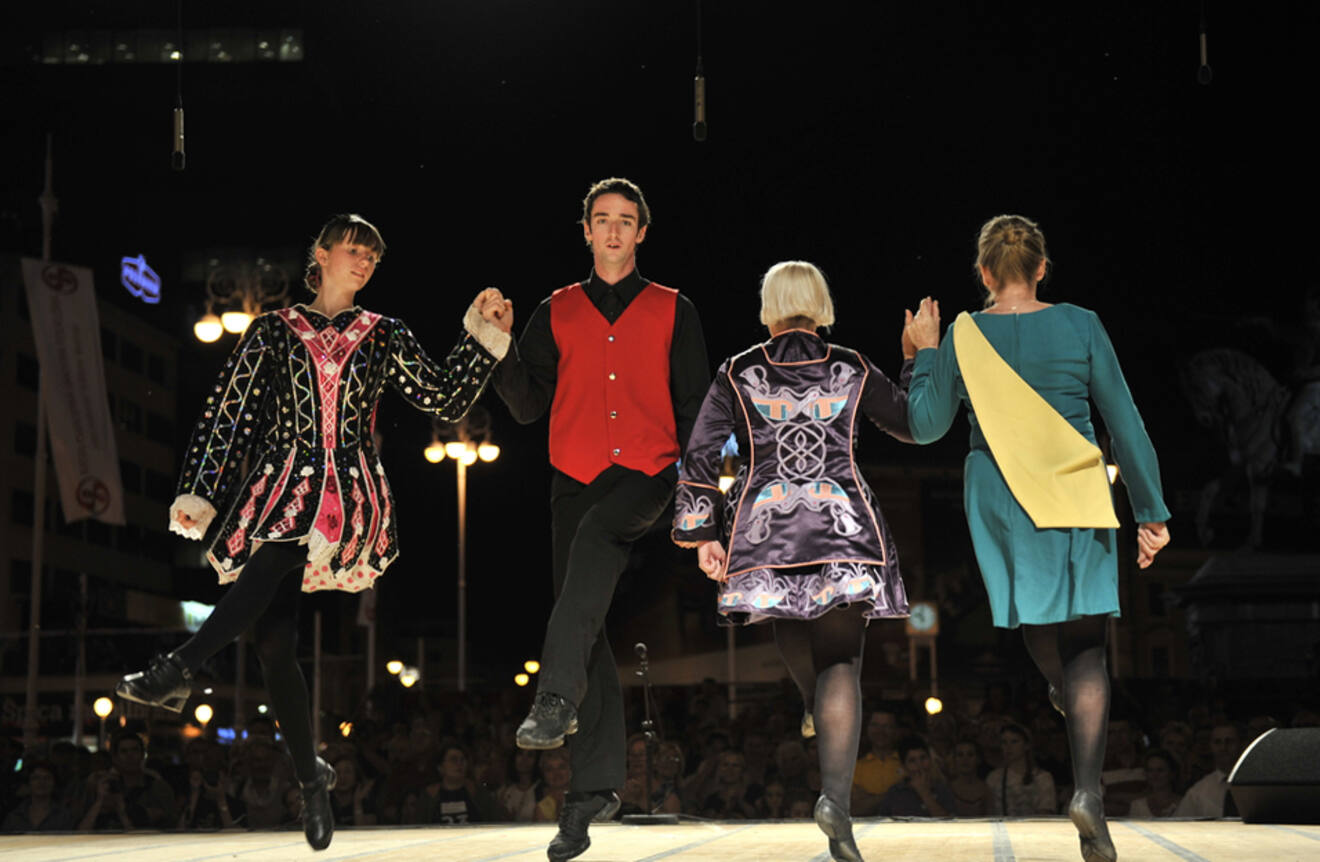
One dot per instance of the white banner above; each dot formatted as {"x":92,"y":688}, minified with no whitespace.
{"x":67,"y":330}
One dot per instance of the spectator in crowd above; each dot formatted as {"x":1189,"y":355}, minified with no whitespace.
{"x":555,"y":775}
{"x":1123,"y":777}
{"x":261,"y":728}
{"x":879,"y":769}
{"x":971,"y":795}
{"x":1019,"y":788}
{"x":519,"y":795}
{"x":942,"y":735}
{"x":39,"y":808}
{"x":701,"y":783}
{"x":207,"y":803}
{"x":65,"y":758}
{"x":800,"y":806}
{"x":127,"y":796}
{"x":772,"y":805}
{"x":791,"y":767}
{"x":263,"y":790}
{"x":1176,"y":738}
{"x":666,"y":769}
{"x":634,"y":782}
{"x":1209,"y":797}
{"x":353,"y":799}
{"x":1159,"y":798}
{"x":920,"y":793}
{"x":756,"y":755}
{"x":455,"y":798}
{"x":732,"y":798}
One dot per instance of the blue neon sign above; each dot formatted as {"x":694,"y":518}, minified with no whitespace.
{"x":140,"y":279}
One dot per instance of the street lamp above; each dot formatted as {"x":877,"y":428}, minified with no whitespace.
{"x":236,"y":293}
{"x":463,"y":442}
{"x":103,"y":707}
{"x":203,"y":713}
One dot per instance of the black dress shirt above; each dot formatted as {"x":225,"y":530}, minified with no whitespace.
{"x":525,"y":378}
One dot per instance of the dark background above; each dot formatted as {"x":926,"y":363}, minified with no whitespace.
{"x":870,"y":138}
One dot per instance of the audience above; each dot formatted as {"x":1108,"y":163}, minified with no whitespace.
{"x":444,"y":761}
{"x":1159,"y":798}
{"x":920,"y":792}
{"x":520,"y":794}
{"x":555,"y":775}
{"x":1209,"y":796}
{"x":39,"y":808}
{"x":127,"y":796}
{"x":879,"y":769}
{"x":1019,"y":788}
{"x":971,"y":795}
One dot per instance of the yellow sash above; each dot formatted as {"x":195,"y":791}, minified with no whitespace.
{"x":1056,"y":474}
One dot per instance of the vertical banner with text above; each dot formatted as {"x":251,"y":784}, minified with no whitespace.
{"x":67,"y":330}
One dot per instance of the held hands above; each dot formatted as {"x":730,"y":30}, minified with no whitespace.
{"x":190,"y":515}
{"x":712,"y":559}
{"x":921,"y":330}
{"x":1150,"y":539}
{"x":495,"y":309}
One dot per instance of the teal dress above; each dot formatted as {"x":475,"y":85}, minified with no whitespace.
{"x":1040,"y":576}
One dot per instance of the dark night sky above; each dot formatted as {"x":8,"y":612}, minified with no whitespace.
{"x":870,"y":138}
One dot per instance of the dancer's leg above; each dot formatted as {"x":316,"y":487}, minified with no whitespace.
{"x":597,"y":751}
{"x":1043,"y":647}
{"x":793,"y":639}
{"x":242,"y":602}
{"x":277,"y":648}
{"x":837,"y":640}
{"x":597,"y":555}
{"x":1081,"y":647}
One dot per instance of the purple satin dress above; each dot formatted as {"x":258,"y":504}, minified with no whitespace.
{"x":800,"y":524}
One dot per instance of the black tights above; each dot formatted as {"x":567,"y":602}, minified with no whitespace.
{"x":266,"y":595}
{"x":1072,"y":657}
{"x":824,"y":658}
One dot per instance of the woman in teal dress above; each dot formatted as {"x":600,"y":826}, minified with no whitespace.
{"x":1059,"y":584}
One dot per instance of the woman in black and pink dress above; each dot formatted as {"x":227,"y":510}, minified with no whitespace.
{"x":298,"y":396}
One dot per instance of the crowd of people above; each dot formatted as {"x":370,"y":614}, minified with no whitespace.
{"x":989,"y":756}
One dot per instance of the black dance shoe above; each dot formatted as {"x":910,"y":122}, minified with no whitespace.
{"x":574,"y":817}
{"x":1056,"y":701}
{"x":165,"y":683}
{"x":317,"y":816}
{"x":836,"y":824}
{"x":551,"y":719}
{"x":1087,"y":812}
{"x":808,"y":725}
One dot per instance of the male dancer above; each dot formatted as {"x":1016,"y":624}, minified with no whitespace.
{"x":621,"y":364}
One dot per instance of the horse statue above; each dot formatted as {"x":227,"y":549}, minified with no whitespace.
{"x":1265,"y":427}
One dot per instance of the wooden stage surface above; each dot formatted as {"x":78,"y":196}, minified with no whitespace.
{"x":1017,"y":840}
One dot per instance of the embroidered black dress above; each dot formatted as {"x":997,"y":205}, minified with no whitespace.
{"x":300,"y":392}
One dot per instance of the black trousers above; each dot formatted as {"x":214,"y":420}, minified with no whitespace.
{"x":594,"y":526}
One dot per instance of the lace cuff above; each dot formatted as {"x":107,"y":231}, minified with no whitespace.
{"x":196,"y":508}
{"x":488,"y":335}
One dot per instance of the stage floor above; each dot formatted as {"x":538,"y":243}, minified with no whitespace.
{"x":1026,"y":840}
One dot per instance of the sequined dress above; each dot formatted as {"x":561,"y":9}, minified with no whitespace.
{"x":299,"y":393}
{"x":800,"y":524}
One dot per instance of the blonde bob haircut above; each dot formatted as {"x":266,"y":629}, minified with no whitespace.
{"x":794,"y":295}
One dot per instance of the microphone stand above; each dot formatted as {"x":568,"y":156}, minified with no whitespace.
{"x":648,"y":818}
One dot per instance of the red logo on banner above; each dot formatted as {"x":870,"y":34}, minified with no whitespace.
{"x":60,"y":279}
{"x":93,"y":495}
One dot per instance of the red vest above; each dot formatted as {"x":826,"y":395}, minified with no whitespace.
{"x":612,"y":402}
